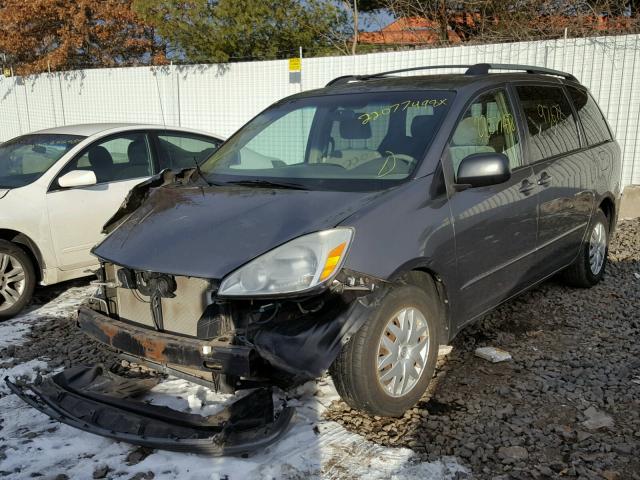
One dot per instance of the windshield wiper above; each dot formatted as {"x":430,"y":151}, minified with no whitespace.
{"x":195,"y":160}
{"x":261,"y":183}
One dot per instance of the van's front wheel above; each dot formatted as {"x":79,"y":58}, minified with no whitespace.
{"x":17,"y":279}
{"x":386,"y":367}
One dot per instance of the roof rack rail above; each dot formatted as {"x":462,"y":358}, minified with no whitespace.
{"x":348,"y":78}
{"x":477,"y":69}
{"x":483,"y":68}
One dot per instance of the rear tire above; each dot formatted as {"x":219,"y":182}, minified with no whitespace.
{"x":588,"y":268}
{"x":388,"y":376}
{"x":17,"y":279}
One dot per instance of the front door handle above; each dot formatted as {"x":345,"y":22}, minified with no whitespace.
{"x":545,"y":179}
{"x":526,"y":187}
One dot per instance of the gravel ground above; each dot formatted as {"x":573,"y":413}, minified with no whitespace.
{"x":567,"y":405}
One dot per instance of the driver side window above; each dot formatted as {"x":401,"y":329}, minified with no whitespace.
{"x":487,"y":126}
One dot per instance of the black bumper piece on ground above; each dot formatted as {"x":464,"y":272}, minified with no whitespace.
{"x":99,"y":402}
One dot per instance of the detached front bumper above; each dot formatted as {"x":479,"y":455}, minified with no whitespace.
{"x":168,"y":349}
{"x":99,"y":402}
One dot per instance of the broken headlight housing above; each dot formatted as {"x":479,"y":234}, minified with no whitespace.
{"x":296,"y":266}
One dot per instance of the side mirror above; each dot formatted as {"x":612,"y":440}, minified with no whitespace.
{"x":483,"y":169}
{"x":78,"y":178}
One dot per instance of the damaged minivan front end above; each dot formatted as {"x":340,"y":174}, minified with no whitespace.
{"x":278,"y":325}
{"x":182,"y":324}
{"x":264,"y":267}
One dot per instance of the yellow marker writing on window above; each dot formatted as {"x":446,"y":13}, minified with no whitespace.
{"x":404,"y":105}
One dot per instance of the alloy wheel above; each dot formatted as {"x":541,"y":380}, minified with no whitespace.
{"x":597,"y":248}
{"x":12,"y":281}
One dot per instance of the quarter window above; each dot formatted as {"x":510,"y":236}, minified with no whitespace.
{"x":487,"y":126}
{"x":593,"y":122}
{"x":551,"y":127}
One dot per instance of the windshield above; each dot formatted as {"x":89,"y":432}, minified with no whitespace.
{"x":354,"y":141}
{"x":24,"y":159}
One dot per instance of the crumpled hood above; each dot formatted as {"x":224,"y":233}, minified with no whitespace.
{"x":210,"y":231}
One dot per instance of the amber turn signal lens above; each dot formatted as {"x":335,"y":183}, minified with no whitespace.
{"x":333,"y":260}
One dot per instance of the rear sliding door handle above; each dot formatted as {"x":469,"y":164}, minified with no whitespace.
{"x":527,"y":187}
{"x":545,"y":179}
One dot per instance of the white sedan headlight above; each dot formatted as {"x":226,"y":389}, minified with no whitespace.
{"x":296,"y":266}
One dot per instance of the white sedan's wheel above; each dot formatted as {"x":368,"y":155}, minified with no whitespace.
{"x":17,"y":279}
{"x":12,"y":281}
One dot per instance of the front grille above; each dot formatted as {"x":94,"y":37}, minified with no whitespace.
{"x":180,"y":314}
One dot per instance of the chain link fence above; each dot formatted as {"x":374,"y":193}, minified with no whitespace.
{"x":221,"y":98}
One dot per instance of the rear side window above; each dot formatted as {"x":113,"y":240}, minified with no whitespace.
{"x":551,"y":127}
{"x":593,"y":122}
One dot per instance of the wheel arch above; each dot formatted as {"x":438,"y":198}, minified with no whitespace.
{"x":608,"y":206}
{"x":420,"y":273}
{"x":28,"y":245}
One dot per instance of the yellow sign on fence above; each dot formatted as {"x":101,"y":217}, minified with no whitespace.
{"x":6,"y":72}
{"x":295,"y":64}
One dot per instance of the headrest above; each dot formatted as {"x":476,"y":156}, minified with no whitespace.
{"x":352,"y":128}
{"x":421,"y":124}
{"x":100,"y":157}
{"x":468,"y":132}
{"x":137,"y":152}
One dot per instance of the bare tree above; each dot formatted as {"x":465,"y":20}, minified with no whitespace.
{"x":516,"y":20}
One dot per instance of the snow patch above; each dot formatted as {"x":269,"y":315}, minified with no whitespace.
{"x":27,"y":371}
{"x":63,"y":306}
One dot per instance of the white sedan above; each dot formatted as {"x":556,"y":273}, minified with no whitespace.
{"x":59,"y":186}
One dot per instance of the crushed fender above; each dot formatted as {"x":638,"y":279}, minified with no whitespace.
{"x":308,"y":346}
{"x":100,"y":402}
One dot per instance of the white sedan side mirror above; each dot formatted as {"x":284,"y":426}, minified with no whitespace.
{"x":78,"y":178}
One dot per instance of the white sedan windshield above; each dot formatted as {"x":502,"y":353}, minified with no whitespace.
{"x":24,"y":159}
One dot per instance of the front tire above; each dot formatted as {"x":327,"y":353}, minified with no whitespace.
{"x":588,"y":268}
{"x":385,"y":368}
{"x":17,"y":279}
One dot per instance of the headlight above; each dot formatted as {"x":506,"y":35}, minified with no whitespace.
{"x":296,"y":266}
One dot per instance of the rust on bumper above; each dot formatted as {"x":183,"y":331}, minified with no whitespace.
{"x":165,"y":348}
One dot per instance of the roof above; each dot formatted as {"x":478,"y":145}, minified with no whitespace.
{"x":89,"y":129}
{"x":452,"y":81}
{"x":85,"y":129}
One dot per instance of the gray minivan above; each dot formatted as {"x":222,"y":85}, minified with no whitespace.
{"x":354,"y":228}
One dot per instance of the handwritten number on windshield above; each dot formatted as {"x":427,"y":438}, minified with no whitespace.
{"x":388,"y":110}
